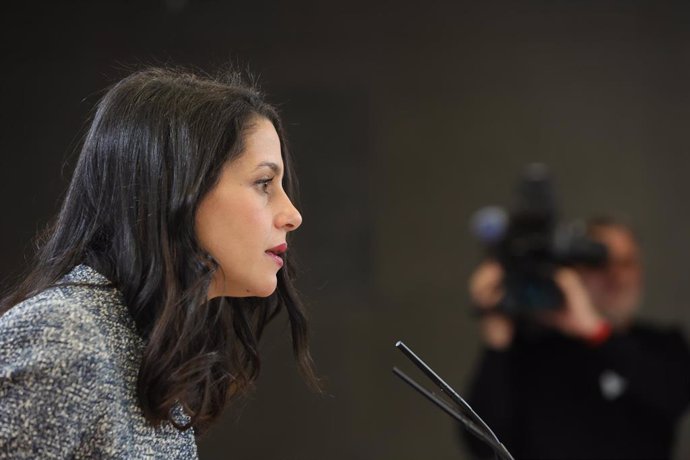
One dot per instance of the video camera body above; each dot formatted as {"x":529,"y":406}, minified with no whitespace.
{"x":531,"y":244}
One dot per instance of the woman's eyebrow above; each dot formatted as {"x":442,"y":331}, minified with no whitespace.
{"x":269,"y":164}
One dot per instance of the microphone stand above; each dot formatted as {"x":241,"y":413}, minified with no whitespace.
{"x":469,"y":418}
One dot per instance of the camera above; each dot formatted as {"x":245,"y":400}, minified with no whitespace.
{"x":531,"y":244}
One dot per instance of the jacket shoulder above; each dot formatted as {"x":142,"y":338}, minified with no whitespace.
{"x":51,"y":322}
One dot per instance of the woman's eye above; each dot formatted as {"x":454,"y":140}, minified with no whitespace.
{"x":264,"y":184}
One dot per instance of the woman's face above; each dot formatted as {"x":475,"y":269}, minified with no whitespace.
{"x":243,"y":221}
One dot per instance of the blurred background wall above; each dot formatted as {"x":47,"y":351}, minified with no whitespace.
{"x":405,"y":117}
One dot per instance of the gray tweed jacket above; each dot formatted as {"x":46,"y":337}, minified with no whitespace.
{"x":69,"y":359}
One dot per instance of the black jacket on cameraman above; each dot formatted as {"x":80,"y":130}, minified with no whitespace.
{"x":553,"y":397}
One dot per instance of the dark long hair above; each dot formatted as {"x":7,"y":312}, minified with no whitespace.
{"x":155,"y":147}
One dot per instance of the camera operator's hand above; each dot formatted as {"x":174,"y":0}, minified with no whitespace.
{"x":486,"y":291}
{"x":578,"y":318}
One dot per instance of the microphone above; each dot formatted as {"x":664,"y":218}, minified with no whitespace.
{"x":469,"y":418}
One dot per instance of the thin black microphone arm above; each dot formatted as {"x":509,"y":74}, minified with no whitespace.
{"x":470,"y":419}
{"x":445,"y":407}
{"x":447,"y":389}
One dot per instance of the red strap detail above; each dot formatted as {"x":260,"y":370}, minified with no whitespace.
{"x":601,"y":335}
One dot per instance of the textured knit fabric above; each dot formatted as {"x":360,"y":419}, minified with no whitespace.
{"x":69,"y":359}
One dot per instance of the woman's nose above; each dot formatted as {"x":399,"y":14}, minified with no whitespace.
{"x":290,"y":218}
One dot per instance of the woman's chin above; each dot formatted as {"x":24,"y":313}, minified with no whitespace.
{"x":267,"y":290}
{"x":258,"y":290}
{"x":262,"y":289}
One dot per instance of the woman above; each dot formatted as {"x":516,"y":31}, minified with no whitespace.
{"x":141,"y":316}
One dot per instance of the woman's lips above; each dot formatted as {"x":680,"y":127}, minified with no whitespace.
{"x":281,"y":248}
{"x":276,"y":253}
{"x":276,"y":258}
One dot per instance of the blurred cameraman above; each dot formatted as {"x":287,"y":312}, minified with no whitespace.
{"x":587,"y":380}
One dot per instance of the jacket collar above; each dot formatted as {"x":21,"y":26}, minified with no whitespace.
{"x":85,"y":274}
